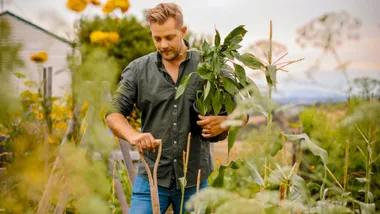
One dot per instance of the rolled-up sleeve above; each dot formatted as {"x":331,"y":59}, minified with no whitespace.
{"x":125,"y":96}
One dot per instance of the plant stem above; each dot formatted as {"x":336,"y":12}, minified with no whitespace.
{"x":323,"y":186}
{"x":269,"y":132}
{"x":368,"y":174}
{"x":269,"y":118}
{"x":299,"y":157}
{"x":113,"y":182}
{"x":185,"y":163}
{"x":370,"y":143}
{"x":368,"y":167}
{"x":347,"y":155}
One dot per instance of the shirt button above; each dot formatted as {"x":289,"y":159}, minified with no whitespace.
{"x":175,"y":160}
{"x":175,"y":142}
{"x":175,"y":124}
{"x":175,"y":106}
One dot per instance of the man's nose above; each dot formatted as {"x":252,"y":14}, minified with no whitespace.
{"x":164,"y":44}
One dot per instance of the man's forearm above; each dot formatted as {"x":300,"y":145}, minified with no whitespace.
{"x":120,"y":126}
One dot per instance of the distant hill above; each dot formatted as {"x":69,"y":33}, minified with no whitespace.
{"x":302,"y":99}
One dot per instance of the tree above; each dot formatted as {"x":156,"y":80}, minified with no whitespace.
{"x":135,"y":38}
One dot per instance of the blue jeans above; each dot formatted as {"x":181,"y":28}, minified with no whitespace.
{"x":141,"y":201}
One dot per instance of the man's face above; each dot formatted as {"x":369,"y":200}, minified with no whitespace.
{"x":168,"y":38}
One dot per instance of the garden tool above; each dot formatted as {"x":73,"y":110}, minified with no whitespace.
{"x":153,"y":180}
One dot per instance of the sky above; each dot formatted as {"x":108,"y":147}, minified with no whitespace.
{"x":203,"y":16}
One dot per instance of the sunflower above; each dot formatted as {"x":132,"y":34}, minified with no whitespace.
{"x":113,"y":37}
{"x":40,"y":116}
{"x":111,"y":5}
{"x":76,"y":5}
{"x":95,"y":2}
{"x":104,"y":37}
{"x":39,"y":57}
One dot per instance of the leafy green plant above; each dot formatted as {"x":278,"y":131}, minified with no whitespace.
{"x":220,"y":80}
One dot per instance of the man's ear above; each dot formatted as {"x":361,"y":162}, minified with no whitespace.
{"x":184,"y":31}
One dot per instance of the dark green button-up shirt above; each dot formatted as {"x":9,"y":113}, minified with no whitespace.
{"x":146,"y":83}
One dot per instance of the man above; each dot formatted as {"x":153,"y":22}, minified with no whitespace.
{"x":151,"y":83}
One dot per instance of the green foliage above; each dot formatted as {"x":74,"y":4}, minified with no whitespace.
{"x":222,"y":201}
{"x":334,"y":127}
{"x":219,"y":79}
{"x":135,"y":38}
{"x":240,"y":177}
{"x":86,"y":181}
{"x":219,"y":180}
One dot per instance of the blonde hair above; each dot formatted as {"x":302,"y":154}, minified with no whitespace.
{"x":162,"y":12}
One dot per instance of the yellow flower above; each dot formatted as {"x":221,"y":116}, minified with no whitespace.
{"x":113,"y":37}
{"x":98,"y":36}
{"x":111,"y":5}
{"x":40,"y":116}
{"x":30,"y":83}
{"x":39,"y":57}
{"x":312,"y":166}
{"x":104,"y":37}
{"x":83,"y":128}
{"x":51,"y":140}
{"x":122,"y":4}
{"x":95,"y":2}
{"x":76,"y":5}
{"x":218,"y":160}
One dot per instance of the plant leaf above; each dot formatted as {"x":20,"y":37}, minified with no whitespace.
{"x":232,"y":134}
{"x":183,"y":85}
{"x":301,"y":186}
{"x":183,"y":182}
{"x":204,"y":73}
{"x":207,"y":90}
{"x":253,"y":87}
{"x":219,"y":180}
{"x":229,"y":85}
{"x":255,"y":174}
{"x":200,"y":105}
{"x":272,"y":75}
{"x":19,"y":75}
{"x":30,"y":83}
{"x":260,"y":109}
{"x":205,"y":46}
{"x":313,"y":186}
{"x":229,"y":104}
{"x":240,"y":73}
{"x":217,"y":102}
{"x":362,"y":180}
{"x":200,"y":52}
{"x":217,"y":38}
{"x":235,"y":36}
{"x":250,"y":61}
{"x":216,"y":63}
{"x":277,"y":146}
{"x":367,"y":208}
{"x":316,"y":150}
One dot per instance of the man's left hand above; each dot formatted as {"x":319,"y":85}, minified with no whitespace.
{"x":211,"y":125}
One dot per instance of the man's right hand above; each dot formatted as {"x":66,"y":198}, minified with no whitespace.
{"x":143,"y":141}
{"x":122,"y":129}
